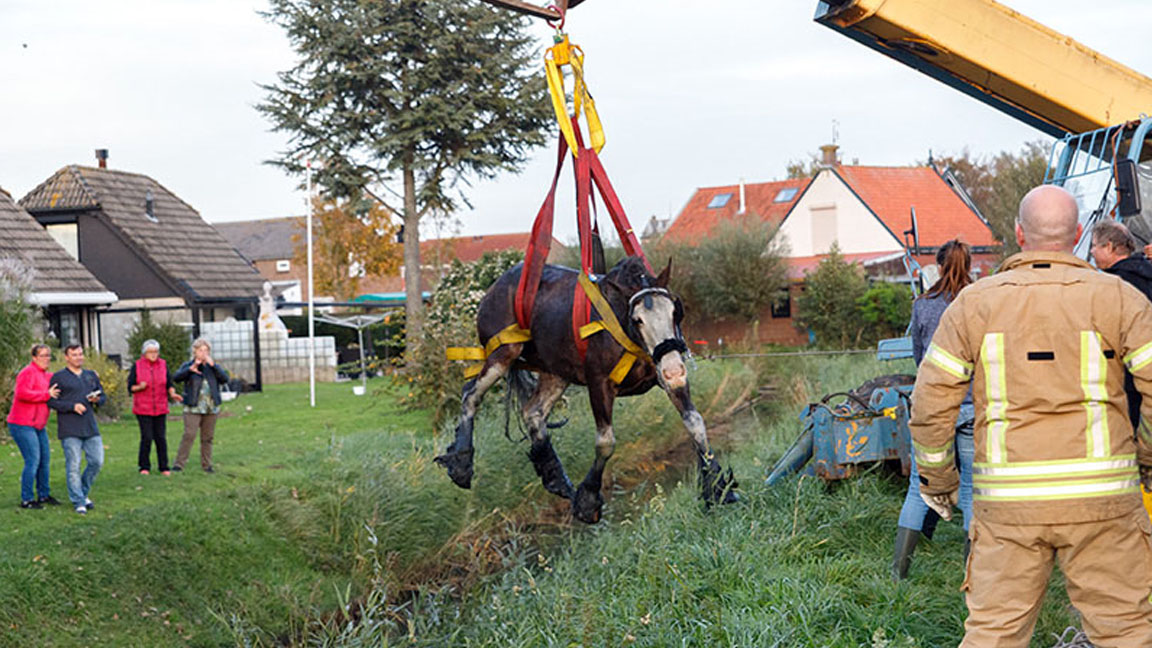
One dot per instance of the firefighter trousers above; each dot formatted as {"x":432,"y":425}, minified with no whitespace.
{"x":1107,"y":567}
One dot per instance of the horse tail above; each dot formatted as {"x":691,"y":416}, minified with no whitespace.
{"x":521,"y":385}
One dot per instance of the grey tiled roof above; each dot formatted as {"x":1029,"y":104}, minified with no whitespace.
{"x":265,"y":239}
{"x":53,"y":269}
{"x":179,"y":244}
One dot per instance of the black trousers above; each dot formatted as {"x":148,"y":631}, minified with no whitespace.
{"x":153,"y":428}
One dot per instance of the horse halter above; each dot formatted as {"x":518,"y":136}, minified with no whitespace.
{"x":668,"y":345}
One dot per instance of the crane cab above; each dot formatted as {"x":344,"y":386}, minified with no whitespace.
{"x":1109,"y":172}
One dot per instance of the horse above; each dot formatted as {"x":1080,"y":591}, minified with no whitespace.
{"x":649,"y":315}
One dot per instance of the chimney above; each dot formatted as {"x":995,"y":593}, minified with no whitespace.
{"x":828,"y":157}
{"x":741,"y":196}
{"x":149,"y":205}
{"x":102,"y":158}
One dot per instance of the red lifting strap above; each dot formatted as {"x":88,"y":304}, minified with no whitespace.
{"x":588,"y":170}
{"x":539,"y":245}
{"x":628,"y":237}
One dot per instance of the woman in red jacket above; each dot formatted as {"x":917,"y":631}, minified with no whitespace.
{"x":26,"y":424}
{"x":151,"y":387}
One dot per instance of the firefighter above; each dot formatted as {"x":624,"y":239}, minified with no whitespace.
{"x":1057,"y":469}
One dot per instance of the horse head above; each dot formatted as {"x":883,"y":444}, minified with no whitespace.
{"x":653,"y":318}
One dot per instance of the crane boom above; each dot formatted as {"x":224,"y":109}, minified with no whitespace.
{"x":1000,"y":57}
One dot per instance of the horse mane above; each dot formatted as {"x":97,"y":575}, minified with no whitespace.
{"x":631,"y":273}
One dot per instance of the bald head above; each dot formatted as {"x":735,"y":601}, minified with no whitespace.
{"x":1048,"y":220}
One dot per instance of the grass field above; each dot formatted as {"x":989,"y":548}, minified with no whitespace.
{"x":333,"y":527}
{"x":803,"y":564}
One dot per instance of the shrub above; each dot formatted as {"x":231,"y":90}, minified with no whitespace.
{"x":740,"y":269}
{"x":887,"y":308}
{"x":450,"y":320}
{"x":828,"y":304}
{"x":175,"y":341}
{"x":19,"y":325}
{"x":733,"y":274}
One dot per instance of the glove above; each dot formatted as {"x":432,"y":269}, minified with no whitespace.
{"x":1146,"y":478}
{"x":942,"y":503}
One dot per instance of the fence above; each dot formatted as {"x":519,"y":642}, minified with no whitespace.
{"x":256,"y":348}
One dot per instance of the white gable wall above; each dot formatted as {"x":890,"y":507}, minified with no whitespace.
{"x":828,"y":212}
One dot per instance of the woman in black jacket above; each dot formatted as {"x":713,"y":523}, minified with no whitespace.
{"x":202,"y":379}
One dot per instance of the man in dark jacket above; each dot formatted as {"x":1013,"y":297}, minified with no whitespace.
{"x":1115,"y":252}
{"x":76,"y":427}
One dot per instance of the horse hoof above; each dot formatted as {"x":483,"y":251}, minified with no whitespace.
{"x":551,"y":473}
{"x":459,"y":465}
{"x":718,"y":488}
{"x":561,"y":488}
{"x":586,"y":505}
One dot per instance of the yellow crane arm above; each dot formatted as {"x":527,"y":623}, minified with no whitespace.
{"x":1000,"y":57}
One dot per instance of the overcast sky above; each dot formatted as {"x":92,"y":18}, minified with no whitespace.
{"x":692,"y":93}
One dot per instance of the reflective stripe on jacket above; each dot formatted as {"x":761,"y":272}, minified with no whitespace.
{"x":1044,"y":344}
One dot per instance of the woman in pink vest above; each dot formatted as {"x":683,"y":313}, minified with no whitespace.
{"x":151,"y":387}
{"x":26,"y":424}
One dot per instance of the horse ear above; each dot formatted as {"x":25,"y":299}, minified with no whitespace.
{"x":662,"y":280}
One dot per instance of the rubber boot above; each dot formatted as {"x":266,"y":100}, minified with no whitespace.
{"x":906,"y":540}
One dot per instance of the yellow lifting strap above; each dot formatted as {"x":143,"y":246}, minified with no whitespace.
{"x":556,"y":57}
{"x":513,"y":334}
{"x":608,"y":322}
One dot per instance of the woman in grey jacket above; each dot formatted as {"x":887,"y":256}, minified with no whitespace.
{"x":955,"y":262}
{"x":202,"y":379}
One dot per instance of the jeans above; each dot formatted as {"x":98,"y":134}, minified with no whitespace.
{"x":79,"y":485}
{"x":914,"y":509}
{"x":37,"y":454}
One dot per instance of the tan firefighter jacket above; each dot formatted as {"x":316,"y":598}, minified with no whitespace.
{"x":1044,"y":343}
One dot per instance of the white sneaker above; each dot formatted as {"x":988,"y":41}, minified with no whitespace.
{"x":88,"y":503}
{"x":81,"y":510}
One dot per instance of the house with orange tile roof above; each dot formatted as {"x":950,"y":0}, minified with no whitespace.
{"x":710,"y":206}
{"x":870,"y":212}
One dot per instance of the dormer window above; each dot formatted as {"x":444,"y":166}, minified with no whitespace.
{"x":719,"y":200}
{"x":784,"y":195}
{"x":150,"y":207}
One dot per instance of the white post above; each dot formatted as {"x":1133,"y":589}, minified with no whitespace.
{"x":311,"y":299}
{"x":363,"y":372}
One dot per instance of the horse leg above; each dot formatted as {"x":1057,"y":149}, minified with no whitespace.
{"x":715,"y":486}
{"x":588,"y":501}
{"x":458,"y":457}
{"x":549,"y":390}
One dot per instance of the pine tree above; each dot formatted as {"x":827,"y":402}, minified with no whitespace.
{"x":406,"y":101}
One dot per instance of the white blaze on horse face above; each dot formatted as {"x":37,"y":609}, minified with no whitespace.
{"x":656,"y":324}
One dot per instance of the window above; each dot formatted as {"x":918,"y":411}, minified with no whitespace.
{"x":719,"y":200}
{"x":67,"y":236}
{"x":784,"y":195}
{"x":69,"y":327}
{"x":283,"y":265}
{"x":782,"y":306}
